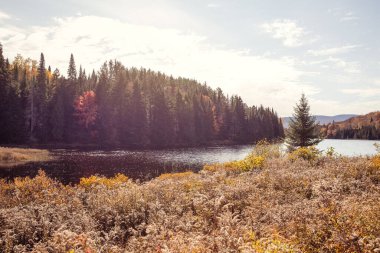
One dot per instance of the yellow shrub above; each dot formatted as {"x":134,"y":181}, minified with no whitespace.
{"x":249,"y":163}
{"x":276,"y":244}
{"x":375,"y":162}
{"x":193,"y":185}
{"x":212,"y":167}
{"x":179,"y":175}
{"x":305,"y":153}
{"x":112,"y":182}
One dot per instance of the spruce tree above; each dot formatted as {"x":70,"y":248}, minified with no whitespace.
{"x":40,"y":100}
{"x":71,"y":71}
{"x":303,"y":130}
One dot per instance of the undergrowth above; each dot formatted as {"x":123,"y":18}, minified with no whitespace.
{"x":278,"y":204}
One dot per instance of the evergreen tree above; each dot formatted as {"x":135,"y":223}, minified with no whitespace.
{"x":161,"y":126}
{"x":303,"y":130}
{"x":138,"y":124}
{"x":40,"y":100}
{"x":135,"y":107}
{"x":72,"y":71}
{"x":3,"y":97}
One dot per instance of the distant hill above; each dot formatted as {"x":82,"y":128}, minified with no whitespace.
{"x":358,"y":127}
{"x":322,"y":119}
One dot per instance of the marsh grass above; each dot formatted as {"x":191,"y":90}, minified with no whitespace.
{"x":286,"y":205}
{"x":17,"y":156}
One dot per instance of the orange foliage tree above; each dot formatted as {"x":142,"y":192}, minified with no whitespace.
{"x":86,"y":109}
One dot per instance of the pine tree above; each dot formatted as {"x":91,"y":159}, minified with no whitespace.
{"x":3,"y":97}
{"x":138,"y":124}
{"x":72,"y":71}
{"x":303,"y":130}
{"x":40,"y":100}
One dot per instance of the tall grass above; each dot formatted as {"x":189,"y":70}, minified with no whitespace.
{"x":15,"y":156}
{"x":285,"y":205}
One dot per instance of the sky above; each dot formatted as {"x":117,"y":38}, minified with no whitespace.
{"x":268,"y":52}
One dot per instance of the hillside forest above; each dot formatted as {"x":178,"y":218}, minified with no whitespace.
{"x":360,"y":127}
{"x":119,"y":106}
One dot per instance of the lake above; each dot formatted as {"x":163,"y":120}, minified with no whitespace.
{"x":71,"y":164}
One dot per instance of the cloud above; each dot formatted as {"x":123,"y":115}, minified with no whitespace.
{"x":363,"y":92}
{"x":349,"y":16}
{"x":333,"y":50}
{"x":259,"y":79}
{"x":342,"y":15}
{"x":350,"y":67}
{"x":4,"y":15}
{"x":213,"y":5}
{"x":333,"y":107}
{"x":288,"y":31}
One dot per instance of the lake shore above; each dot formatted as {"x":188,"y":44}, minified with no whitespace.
{"x":262,"y":203}
{"x":17,"y":156}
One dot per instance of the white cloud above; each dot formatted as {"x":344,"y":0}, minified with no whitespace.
{"x":4,"y":15}
{"x":333,"y":50}
{"x":347,"y":66}
{"x":213,"y":5}
{"x":336,"y":63}
{"x":333,"y":107}
{"x":363,"y":92}
{"x":349,"y":16}
{"x":343,"y":15}
{"x":93,"y":40}
{"x":288,"y":31}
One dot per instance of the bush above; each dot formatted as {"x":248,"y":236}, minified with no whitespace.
{"x":292,"y":206}
{"x":375,"y":162}
{"x":176,"y":176}
{"x":305,"y":153}
{"x":251,"y":162}
{"x":267,"y":150}
{"x":117,"y":180}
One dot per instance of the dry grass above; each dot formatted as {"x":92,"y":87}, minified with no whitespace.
{"x":287,"y":205}
{"x":17,"y":156}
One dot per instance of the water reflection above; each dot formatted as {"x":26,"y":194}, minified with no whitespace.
{"x":70,"y":165}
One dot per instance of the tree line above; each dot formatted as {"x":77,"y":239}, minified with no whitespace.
{"x":119,"y":106}
{"x":369,"y":132}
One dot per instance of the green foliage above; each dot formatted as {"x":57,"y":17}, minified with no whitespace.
{"x":303,"y":130}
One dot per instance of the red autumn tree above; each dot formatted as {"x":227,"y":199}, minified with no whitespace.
{"x":86,"y":109}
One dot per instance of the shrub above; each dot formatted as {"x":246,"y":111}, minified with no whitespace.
{"x":267,"y":150}
{"x":274,"y":244}
{"x":330,"y":152}
{"x":305,"y":153}
{"x":175,"y":176}
{"x":249,"y":163}
{"x":117,"y":180}
{"x":292,"y":207}
{"x":375,"y":162}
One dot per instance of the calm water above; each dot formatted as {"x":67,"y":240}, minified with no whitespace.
{"x":70,"y":165}
{"x":350,"y":147}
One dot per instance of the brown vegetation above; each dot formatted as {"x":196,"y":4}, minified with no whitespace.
{"x":303,"y":204}
{"x":16,"y":156}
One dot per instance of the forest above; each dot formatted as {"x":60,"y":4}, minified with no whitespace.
{"x":366,"y":127}
{"x":119,"y":106}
